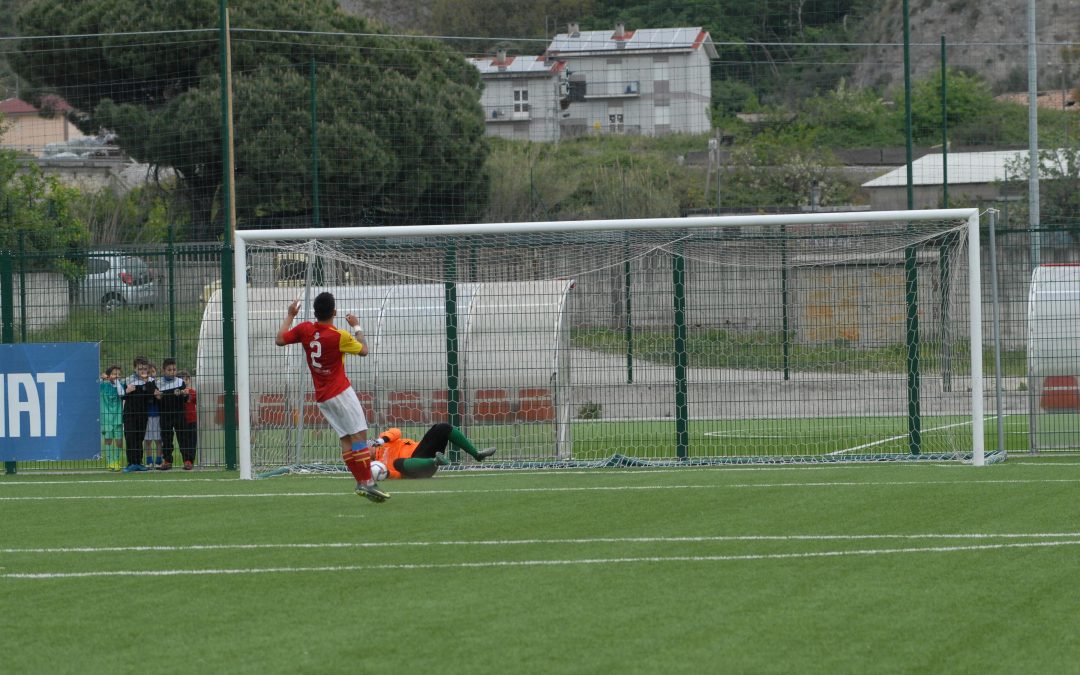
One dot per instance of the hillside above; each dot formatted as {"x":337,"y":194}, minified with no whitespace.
{"x":994,"y":33}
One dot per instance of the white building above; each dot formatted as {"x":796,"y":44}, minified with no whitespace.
{"x":975,"y":178}
{"x":521,"y":96}
{"x":650,"y":81}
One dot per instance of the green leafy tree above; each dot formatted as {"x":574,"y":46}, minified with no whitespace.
{"x":974,"y":117}
{"x":493,"y":24}
{"x":37,"y":216}
{"x":1059,"y":189}
{"x":853,"y":118}
{"x":781,"y":169}
{"x":400,"y":128}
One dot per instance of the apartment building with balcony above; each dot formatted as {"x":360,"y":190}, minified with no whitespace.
{"x":649,"y":81}
{"x":521,"y":96}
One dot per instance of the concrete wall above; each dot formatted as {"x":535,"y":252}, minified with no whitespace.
{"x":31,"y":133}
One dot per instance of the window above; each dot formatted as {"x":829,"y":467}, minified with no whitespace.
{"x":661,"y":75}
{"x":96,"y":266}
{"x":521,"y":100}
{"x":615,"y":122}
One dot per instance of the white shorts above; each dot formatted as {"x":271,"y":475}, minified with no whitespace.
{"x":344,"y":413}
{"x":153,"y":429}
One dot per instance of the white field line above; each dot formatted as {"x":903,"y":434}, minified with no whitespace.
{"x":473,"y":473}
{"x":616,"y":488}
{"x":543,"y":542}
{"x":129,"y":574}
{"x":896,"y":438}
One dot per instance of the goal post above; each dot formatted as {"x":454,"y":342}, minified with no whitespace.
{"x":631,"y":342}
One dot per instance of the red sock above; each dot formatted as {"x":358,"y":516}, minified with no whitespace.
{"x":358,"y":461}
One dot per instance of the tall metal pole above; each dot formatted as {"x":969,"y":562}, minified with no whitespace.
{"x":1034,"y":217}
{"x":314,"y":146}
{"x":7,"y":316}
{"x":911,"y":272}
{"x":682,"y":407}
{"x":170,"y":262}
{"x":997,"y":332}
{"x":945,"y":262}
{"x":228,"y":195}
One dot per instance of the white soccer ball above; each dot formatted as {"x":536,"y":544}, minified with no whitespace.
{"x":378,"y":471}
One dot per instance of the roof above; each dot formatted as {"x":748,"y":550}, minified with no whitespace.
{"x":1055,"y":99}
{"x":535,"y":66}
{"x":664,"y":39}
{"x":964,"y":167}
{"x":17,"y":106}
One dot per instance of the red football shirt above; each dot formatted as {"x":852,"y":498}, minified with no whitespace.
{"x":325,"y":348}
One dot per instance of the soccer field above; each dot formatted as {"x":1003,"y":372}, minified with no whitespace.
{"x":813,"y":569}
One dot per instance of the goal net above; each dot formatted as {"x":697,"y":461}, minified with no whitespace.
{"x":795,"y":338}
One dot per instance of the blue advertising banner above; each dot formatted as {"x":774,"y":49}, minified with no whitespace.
{"x":49,"y":401}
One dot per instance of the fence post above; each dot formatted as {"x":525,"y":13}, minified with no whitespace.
{"x":678,"y":278}
{"x":22,"y":285}
{"x":171,"y":266}
{"x":7,"y":315}
{"x":453,"y":381}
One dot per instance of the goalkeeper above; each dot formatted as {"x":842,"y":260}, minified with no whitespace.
{"x":405,"y":458}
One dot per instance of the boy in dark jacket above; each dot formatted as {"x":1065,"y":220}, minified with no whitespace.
{"x":171,"y":398}
{"x":138,"y":392}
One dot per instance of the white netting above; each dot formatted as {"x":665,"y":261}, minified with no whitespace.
{"x":749,"y":342}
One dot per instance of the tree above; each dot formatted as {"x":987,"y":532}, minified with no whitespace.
{"x":524,"y":27}
{"x":400,"y":128}
{"x":36,"y":215}
{"x":1059,"y":189}
{"x":782,"y":169}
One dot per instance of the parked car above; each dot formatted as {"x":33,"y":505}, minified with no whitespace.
{"x":114,"y":280}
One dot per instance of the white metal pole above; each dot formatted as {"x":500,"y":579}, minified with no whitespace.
{"x":978,"y":457}
{"x":243,"y":376}
{"x":393,"y":231}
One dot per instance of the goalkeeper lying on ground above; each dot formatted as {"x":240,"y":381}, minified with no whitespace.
{"x":405,"y":458}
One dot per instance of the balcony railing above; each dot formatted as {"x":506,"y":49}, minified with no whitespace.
{"x":506,"y":113}
{"x":625,"y":89}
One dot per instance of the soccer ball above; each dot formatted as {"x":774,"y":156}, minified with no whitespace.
{"x":378,"y":471}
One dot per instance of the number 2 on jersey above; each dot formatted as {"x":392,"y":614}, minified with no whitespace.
{"x":315,"y":352}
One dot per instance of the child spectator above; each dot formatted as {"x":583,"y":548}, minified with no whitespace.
{"x":189,"y":432}
{"x":152,"y":439}
{"x":170,"y":398}
{"x":112,"y":417}
{"x":138,"y":392}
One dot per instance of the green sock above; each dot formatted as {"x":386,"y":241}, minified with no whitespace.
{"x":419,"y":466}
{"x":458,"y":439}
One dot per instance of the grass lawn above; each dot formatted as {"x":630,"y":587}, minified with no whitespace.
{"x":821,"y":569}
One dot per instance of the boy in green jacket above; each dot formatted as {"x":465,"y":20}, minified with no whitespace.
{"x":112,"y":418}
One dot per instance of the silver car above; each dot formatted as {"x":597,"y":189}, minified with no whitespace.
{"x":114,"y":280}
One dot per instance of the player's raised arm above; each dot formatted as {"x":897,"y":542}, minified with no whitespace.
{"x":358,"y":333}
{"x":286,"y":323}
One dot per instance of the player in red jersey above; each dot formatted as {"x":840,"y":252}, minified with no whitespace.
{"x":325,"y":347}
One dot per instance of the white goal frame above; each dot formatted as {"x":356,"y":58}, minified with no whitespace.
{"x":242,"y":237}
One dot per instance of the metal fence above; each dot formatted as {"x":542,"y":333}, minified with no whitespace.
{"x":161,"y":314}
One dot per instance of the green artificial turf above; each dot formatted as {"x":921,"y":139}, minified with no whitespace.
{"x":815,"y":569}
